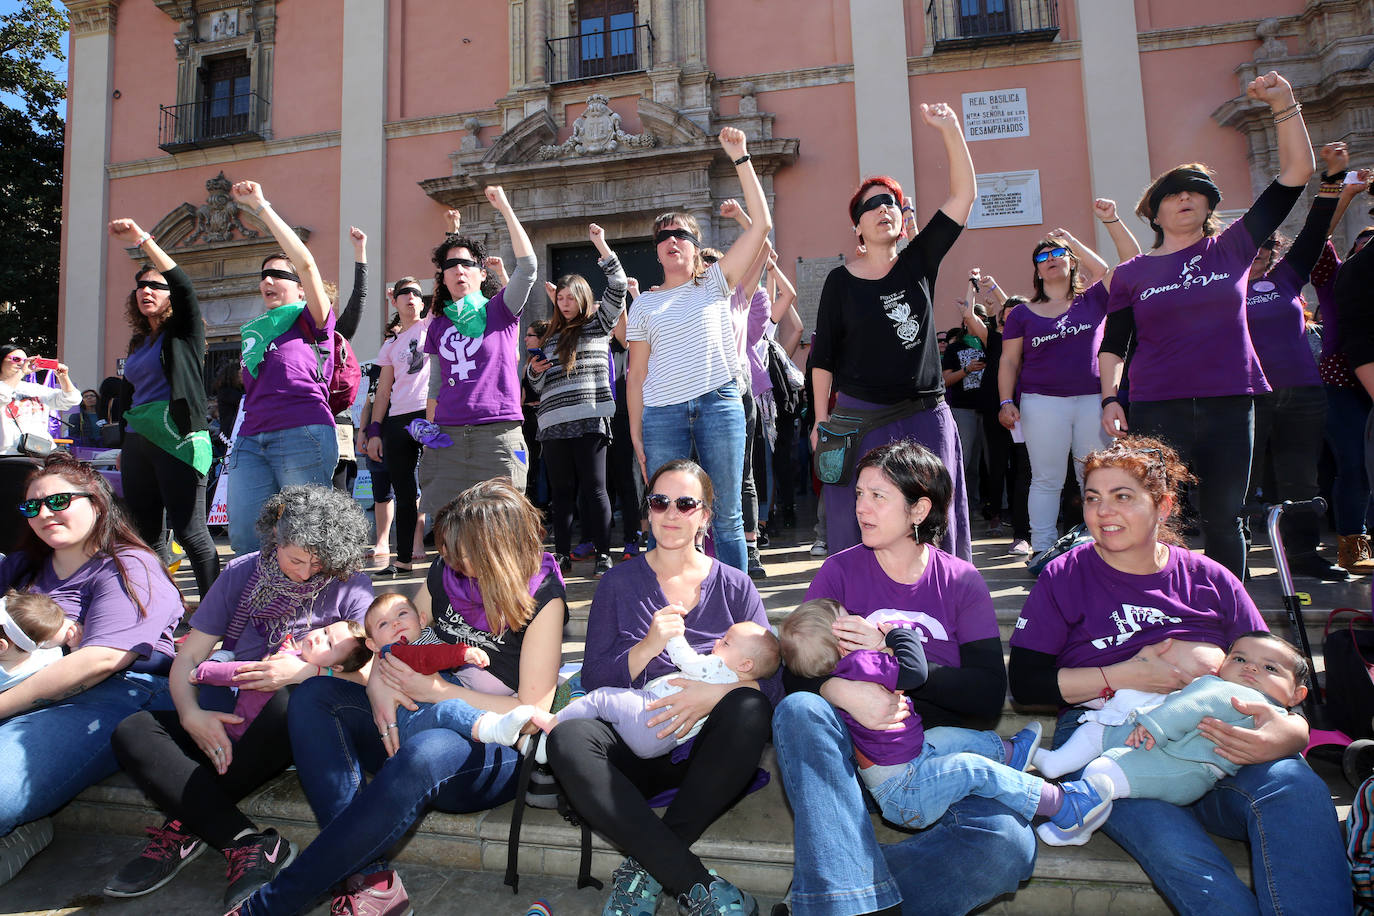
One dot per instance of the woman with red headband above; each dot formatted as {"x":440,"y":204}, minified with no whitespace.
{"x":875,"y":344}
{"x":1194,"y":375}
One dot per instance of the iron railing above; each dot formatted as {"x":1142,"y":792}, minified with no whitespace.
{"x":966,"y":23}
{"x":211,"y":122}
{"x":595,"y":54}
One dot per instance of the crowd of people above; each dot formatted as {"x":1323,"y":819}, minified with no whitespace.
{"x":1174,"y":377}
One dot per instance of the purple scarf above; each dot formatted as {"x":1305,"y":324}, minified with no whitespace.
{"x":465,"y":597}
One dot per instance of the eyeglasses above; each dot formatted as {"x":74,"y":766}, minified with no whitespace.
{"x":1045,"y":254}
{"x":660,"y":503}
{"x":56,"y":502}
{"x":460,"y":262}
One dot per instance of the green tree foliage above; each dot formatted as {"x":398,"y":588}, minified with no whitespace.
{"x":30,"y":173}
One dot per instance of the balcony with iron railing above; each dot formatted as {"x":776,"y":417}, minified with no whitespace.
{"x":212,"y":122}
{"x":601,"y":53}
{"x":969,"y":23}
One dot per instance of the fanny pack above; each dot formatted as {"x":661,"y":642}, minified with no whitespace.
{"x":838,"y":438}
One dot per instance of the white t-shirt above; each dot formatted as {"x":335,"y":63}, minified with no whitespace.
{"x":405,"y":354}
{"x":25,"y":408}
{"x":691,"y":339}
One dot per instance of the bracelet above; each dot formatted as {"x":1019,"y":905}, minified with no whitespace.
{"x":373,"y":430}
{"x":1296,"y":106}
{"x":143,"y":238}
{"x":1108,"y":222}
{"x":257,"y":211}
{"x":1113,"y":399}
{"x":1005,"y":403}
{"x":1292,"y":113}
{"x":1107,"y":692}
{"x":743,"y":159}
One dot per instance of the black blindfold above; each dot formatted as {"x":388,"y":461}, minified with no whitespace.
{"x":664,"y":235}
{"x":1185,"y":180}
{"x":280,"y":274}
{"x":873,"y":203}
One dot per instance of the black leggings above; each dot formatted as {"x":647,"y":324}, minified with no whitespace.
{"x":164,"y":761}
{"x":608,"y":785}
{"x":577,"y":472}
{"x":401,"y":454}
{"x":156,"y":483}
{"x":623,"y":467}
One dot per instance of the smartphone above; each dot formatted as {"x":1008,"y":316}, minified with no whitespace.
{"x":535,"y":352}
{"x":42,"y":362}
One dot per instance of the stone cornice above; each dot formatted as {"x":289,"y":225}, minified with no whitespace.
{"x":91,"y":17}
{"x":1217,"y":34}
{"x":220,"y":155}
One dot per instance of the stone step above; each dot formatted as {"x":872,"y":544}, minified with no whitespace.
{"x":751,"y":845}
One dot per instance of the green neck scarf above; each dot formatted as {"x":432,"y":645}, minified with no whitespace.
{"x":469,"y":317}
{"x":153,"y":421}
{"x":973,"y":341}
{"x":264,"y":329}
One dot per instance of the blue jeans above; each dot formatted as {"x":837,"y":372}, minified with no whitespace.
{"x":1347,"y":411}
{"x":1282,"y":809}
{"x":53,"y":753}
{"x":954,"y":764}
{"x":841,"y":869}
{"x":259,"y":466}
{"x":334,"y":740}
{"x":713,"y":424}
{"x":455,"y":715}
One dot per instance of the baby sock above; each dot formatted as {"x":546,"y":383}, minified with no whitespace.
{"x":503,"y":729}
{"x":1051,"y":799}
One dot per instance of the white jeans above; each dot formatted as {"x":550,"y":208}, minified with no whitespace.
{"x":1053,"y":426}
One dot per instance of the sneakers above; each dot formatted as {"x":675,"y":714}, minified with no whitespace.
{"x":1087,"y":805}
{"x":721,"y":899}
{"x":1021,"y":547}
{"x":818,"y":549}
{"x":168,"y":852}
{"x":255,"y":860}
{"x":603,"y":565}
{"x":378,"y":894}
{"x":564,"y":564}
{"x":754,"y":563}
{"x":584,"y":551}
{"x":634,"y":892}
{"x":21,"y":844}
{"x":632,"y":546}
{"x":1023,"y":746}
{"x":1318,"y":567}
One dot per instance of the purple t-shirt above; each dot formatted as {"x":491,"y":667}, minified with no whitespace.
{"x":1278,"y":329}
{"x":292,"y":387}
{"x":749,"y":314}
{"x":1059,"y":355}
{"x":625,"y":602}
{"x":1192,"y":339}
{"x":889,"y":746}
{"x":479,"y":378}
{"x":948,"y":606}
{"x":1086,"y":614}
{"x":143,"y":370}
{"x":95,"y":597}
{"x":346,"y":600}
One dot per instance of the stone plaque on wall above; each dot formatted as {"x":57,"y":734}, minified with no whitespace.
{"x":996,"y":115}
{"x":1007,"y":199}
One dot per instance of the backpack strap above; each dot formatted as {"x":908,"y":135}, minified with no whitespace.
{"x":1356,"y":615}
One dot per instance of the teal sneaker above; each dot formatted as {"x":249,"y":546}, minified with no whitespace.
{"x":634,"y":892}
{"x":721,"y":899}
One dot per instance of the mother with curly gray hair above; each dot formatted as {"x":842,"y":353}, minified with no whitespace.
{"x":305,"y":577}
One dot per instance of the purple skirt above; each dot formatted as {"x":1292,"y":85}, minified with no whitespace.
{"x":933,"y":428}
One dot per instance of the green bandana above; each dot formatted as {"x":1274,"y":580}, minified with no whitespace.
{"x":264,"y":329}
{"x":153,"y":421}
{"x":973,"y":341}
{"x":470,"y":317}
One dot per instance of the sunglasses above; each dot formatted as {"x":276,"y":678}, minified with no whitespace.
{"x":280,"y":274}
{"x":1045,"y":254}
{"x":660,"y":503}
{"x":460,"y":262}
{"x":16,"y":359}
{"x":409,"y":291}
{"x":664,"y":235}
{"x":57,"y":502}
{"x":150,"y":284}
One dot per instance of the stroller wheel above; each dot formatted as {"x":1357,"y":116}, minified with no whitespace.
{"x":1358,"y":761}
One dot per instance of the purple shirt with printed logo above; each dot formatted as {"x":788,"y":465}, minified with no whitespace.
{"x":1192,"y":338}
{"x":1086,"y":613}
{"x":479,"y":379}
{"x":1059,"y":355}
{"x":1278,"y":328}
{"x":292,"y":386}
{"x":948,"y":606}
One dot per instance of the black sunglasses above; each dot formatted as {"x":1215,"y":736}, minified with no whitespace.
{"x":1044,"y":254}
{"x":56,"y":502}
{"x":460,"y":262}
{"x":660,"y":503}
{"x":150,"y":284}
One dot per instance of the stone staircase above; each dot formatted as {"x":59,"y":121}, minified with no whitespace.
{"x":751,"y":844}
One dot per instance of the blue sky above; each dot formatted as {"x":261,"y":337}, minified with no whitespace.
{"x":58,"y":67}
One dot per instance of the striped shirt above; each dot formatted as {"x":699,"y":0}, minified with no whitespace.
{"x":691,"y":339}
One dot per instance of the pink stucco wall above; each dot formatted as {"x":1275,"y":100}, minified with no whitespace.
{"x":446,"y":58}
{"x":1177,"y":14}
{"x":750,"y":37}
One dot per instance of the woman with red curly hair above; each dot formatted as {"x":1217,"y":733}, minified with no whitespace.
{"x":876,"y":345}
{"x":1099,"y":619}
